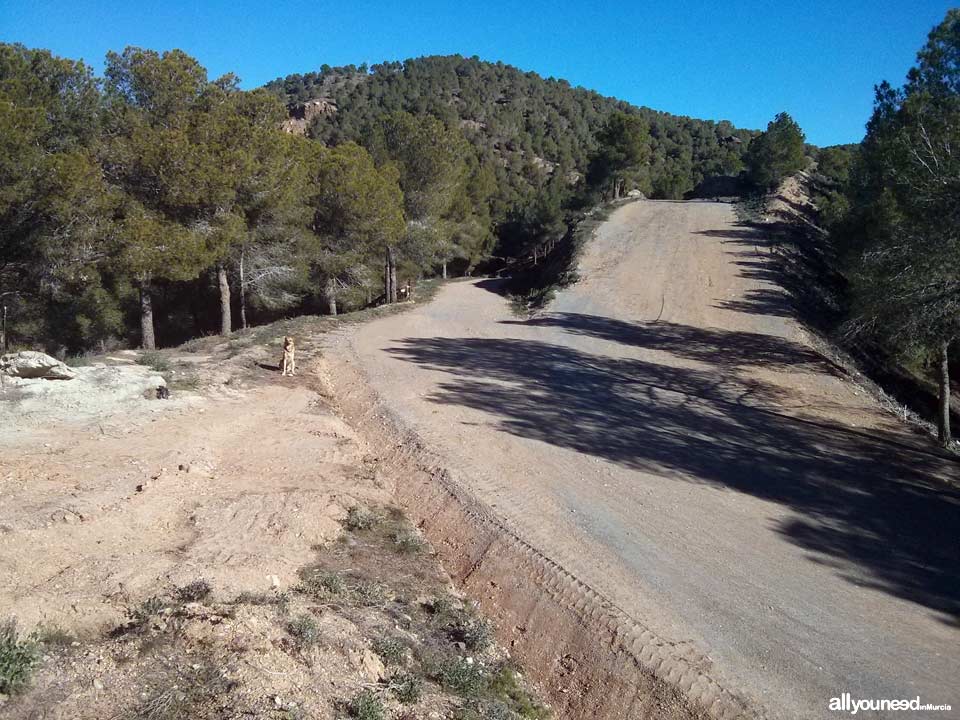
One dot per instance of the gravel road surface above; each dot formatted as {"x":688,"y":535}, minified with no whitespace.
{"x":668,"y":435}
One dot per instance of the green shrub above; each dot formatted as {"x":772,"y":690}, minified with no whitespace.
{"x":439,"y":605}
{"x":406,"y":686}
{"x":475,"y":633}
{"x":305,"y":630}
{"x":194,"y":592}
{"x":366,"y":706}
{"x":369,"y":594}
{"x":146,"y":610}
{"x":320,"y":584}
{"x":18,"y":658}
{"x":504,"y":685}
{"x":359,"y":518}
{"x":154,"y":360}
{"x":407,"y":542}
{"x":459,"y":674}
{"x":484,"y":710}
{"x":391,"y":650}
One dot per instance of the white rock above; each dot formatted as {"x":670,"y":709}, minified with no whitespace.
{"x":33,"y":364}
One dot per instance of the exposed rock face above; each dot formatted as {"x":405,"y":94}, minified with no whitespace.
{"x":92,"y":390}
{"x":33,"y":364}
{"x":303,"y":115}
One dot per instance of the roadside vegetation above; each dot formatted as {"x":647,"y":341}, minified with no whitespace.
{"x":373,"y":623}
{"x":875,"y":264}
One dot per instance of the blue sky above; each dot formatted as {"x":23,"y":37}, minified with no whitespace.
{"x":740,"y":61}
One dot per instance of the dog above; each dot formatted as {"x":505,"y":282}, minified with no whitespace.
{"x":288,"y":362}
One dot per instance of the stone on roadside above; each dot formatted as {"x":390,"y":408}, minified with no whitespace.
{"x":32,"y":364}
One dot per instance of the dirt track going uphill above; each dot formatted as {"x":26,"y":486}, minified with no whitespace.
{"x":662,"y":466}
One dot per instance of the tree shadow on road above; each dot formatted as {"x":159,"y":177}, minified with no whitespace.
{"x":711,"y":345}
{"x":866,"y":505}
{"x":801,"y":272}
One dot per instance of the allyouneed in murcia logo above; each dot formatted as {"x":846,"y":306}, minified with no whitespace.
{"x":847,"y":703}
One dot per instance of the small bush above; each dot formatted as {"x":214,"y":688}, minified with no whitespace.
{"x":185,"y":693}
{"x":320,"y":584}
{"x":459,"y":674}
{"x":439,"y":605}
{"x":359,"y":518}
{"x":54,"y":636}
{"x":366,"y":706}
{"x":197,"y":344}
{"x":280,"y":599}
{"x":18,"y":658}
{"x":194,"y":592}
{"x":146,"y":610}
{"x":391,"y":650}
{"x":304,"y":629}
{"x":484,"y":710}
{"x":369,"y":594}
{"x":505,"y":685}
{"x":406,"y":686}
{"x":475,"y":633}
{"x":154,"y":360}
{"x":79,"y":360}
{"x":407,"y":542}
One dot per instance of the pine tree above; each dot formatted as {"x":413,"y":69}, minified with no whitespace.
{"x":776,"y":153}
{"x":907,"y":190}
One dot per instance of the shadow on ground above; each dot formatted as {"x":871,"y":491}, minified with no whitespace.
{"x":864,"y":504}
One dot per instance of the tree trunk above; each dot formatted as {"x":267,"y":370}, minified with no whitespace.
{"x":147,"y":338}
{"x":226,"y":322}
{"x":243,"y":293}
{"x":444,"y":275}
{"x":3,"y":331}
{"x":387,"y":276}
{"x":394,"y":288}
{"x":332,"y":297}
{"x":390,"y":277}
{"x":943,"y":417}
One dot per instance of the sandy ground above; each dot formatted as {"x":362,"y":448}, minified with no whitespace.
{"x":667,"y":436}
{"x":115,"y":509}
{"x":229,"y":495}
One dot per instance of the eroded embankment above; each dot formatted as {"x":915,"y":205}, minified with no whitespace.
{"x":590,"y":658}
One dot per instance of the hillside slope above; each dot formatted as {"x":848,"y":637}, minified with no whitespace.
{"x":525,"y":126}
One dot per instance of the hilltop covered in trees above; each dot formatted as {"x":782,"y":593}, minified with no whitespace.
{"x":524,"y":127}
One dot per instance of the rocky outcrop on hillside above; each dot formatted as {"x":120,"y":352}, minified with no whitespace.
{"x":303,"y":115}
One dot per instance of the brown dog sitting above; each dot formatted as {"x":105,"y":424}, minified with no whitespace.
{"x":288,"y":363}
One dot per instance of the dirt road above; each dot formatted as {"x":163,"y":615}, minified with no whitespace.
{"x":666,"y":434}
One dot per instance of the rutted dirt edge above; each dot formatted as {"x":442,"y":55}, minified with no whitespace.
{"x":590,"y":658}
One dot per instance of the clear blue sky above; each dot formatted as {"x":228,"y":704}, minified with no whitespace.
{"x":741,"y":61}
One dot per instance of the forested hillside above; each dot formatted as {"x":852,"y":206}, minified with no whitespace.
{"x":156,"y":203}
{"x":525,"y":127}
